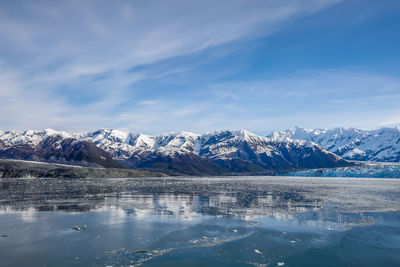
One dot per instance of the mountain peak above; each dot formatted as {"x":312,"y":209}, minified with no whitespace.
{"x":218,"y":152}
{"x":107,"y":133}
{"x":246,"y":134}
{"x":351,"y":143}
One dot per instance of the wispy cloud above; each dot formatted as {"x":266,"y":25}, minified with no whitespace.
{"x":65,"y":63}
{"x":148,"y":66}
{"x":393,"y":120}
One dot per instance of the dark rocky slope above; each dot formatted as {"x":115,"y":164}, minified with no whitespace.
{"x":25,"y":169}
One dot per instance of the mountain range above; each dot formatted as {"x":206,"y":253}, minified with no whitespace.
{"x":216,"y":153}
{"x":381,"y":145}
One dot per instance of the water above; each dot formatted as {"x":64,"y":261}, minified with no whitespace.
{"x":238,"y":221}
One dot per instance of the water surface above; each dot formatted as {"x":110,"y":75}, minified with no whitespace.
{"x":233,"y":221}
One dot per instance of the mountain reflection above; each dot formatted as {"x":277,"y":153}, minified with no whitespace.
{"x":191,"y":198}
{"x":183,"y":199}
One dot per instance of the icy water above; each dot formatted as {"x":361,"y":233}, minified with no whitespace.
{"x":238,"y":221}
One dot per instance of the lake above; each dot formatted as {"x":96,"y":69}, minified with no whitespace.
{"x":197,"y":221}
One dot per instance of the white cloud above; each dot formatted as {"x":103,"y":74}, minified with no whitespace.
{"x":391,"y":120}
{"x":55,"y":51}
{"x":93,"y":33}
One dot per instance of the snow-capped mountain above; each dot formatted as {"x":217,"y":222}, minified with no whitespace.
{"x":382,"y":145}
{"x":220,"y":152}
{"x":123,"y":145}
{"x":29,"y":137}
{"x":244,"y":151}
{"x":52,"y":146}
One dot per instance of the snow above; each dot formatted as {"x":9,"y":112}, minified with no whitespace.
{"x":377,"y":145}
{"x":123,"y":145}
{"x":29,"y":137}
{"x":354,"y":152}
{"x":144,"y":141}
{"x":351,"y":143}
{"x":197,"y":146}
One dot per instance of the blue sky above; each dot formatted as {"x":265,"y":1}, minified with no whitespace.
{"x":160,"y":66}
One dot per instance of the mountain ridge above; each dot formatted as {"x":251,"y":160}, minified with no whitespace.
{"x":53,"y":147}
{"x":215,"y":153}
{"x":380,"y":145}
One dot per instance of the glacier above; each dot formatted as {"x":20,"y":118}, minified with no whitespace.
{"x":365,"y":170}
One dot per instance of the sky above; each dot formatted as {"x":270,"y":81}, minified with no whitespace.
{"x":178,"y":65}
